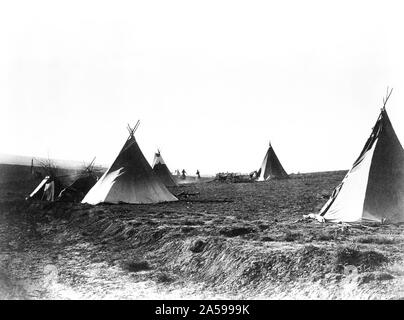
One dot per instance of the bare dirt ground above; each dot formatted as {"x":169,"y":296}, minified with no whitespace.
{"x":243,"y":240}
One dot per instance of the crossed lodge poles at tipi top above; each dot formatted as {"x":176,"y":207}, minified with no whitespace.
{"x":130,"y":179}
{"x":374,"y":187}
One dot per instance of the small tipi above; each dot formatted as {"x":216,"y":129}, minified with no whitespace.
{"x":50,"y":186}
{"x":130,"y":179}
{"x":271,"y":166}
{"x":45,"y":190}
{"x":374,"y":187}
{"x":161,"y":170}
{"x":76,"y":191}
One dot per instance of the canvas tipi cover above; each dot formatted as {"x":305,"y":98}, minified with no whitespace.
{"x":78,"y":189}
{"x":374,"y":188}
{"x":45,"y":190}
{"x":161,"y":170}
{"x":130,"y":179}
{"x":271,"y":166}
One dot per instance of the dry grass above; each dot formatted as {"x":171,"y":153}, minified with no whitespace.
{"x":136,"y":266}
{"x":244,"y":237}
{"x":378,"y":239}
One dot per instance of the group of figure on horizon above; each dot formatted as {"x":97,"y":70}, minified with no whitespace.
{"x":183,"y":176}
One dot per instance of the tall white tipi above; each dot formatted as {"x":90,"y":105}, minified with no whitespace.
{"x":130,"y":179}
{"x":374,"y":187}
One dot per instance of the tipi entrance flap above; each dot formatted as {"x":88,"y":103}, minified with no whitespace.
{"x":347,"y":203}
{"x":262,"y":176}
{"x":103,"y":187}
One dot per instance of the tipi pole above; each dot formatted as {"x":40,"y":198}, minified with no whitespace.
{"x":388,"y":94}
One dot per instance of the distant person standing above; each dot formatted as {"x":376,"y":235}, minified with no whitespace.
{"x":49,"y":190}
{"x":183,"y":174}
{"x":197,"y":174}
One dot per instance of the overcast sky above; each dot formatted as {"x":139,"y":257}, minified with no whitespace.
{"x":211,"y":81}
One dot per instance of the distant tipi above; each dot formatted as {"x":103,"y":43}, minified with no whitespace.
{"x":271,"y":166}
{"x":161,"y":170}
{"x":130,"y":179}
{"x":374,"y":187}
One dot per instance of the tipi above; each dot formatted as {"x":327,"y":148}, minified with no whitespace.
{"x":161,"y":170}
{"x":271,"y":166}
{"x":130,"y":179}
{"x":76,"y":191}
{"x":45,"y":190}
{"x":374,"y":187}
{"x":50,"y":185}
